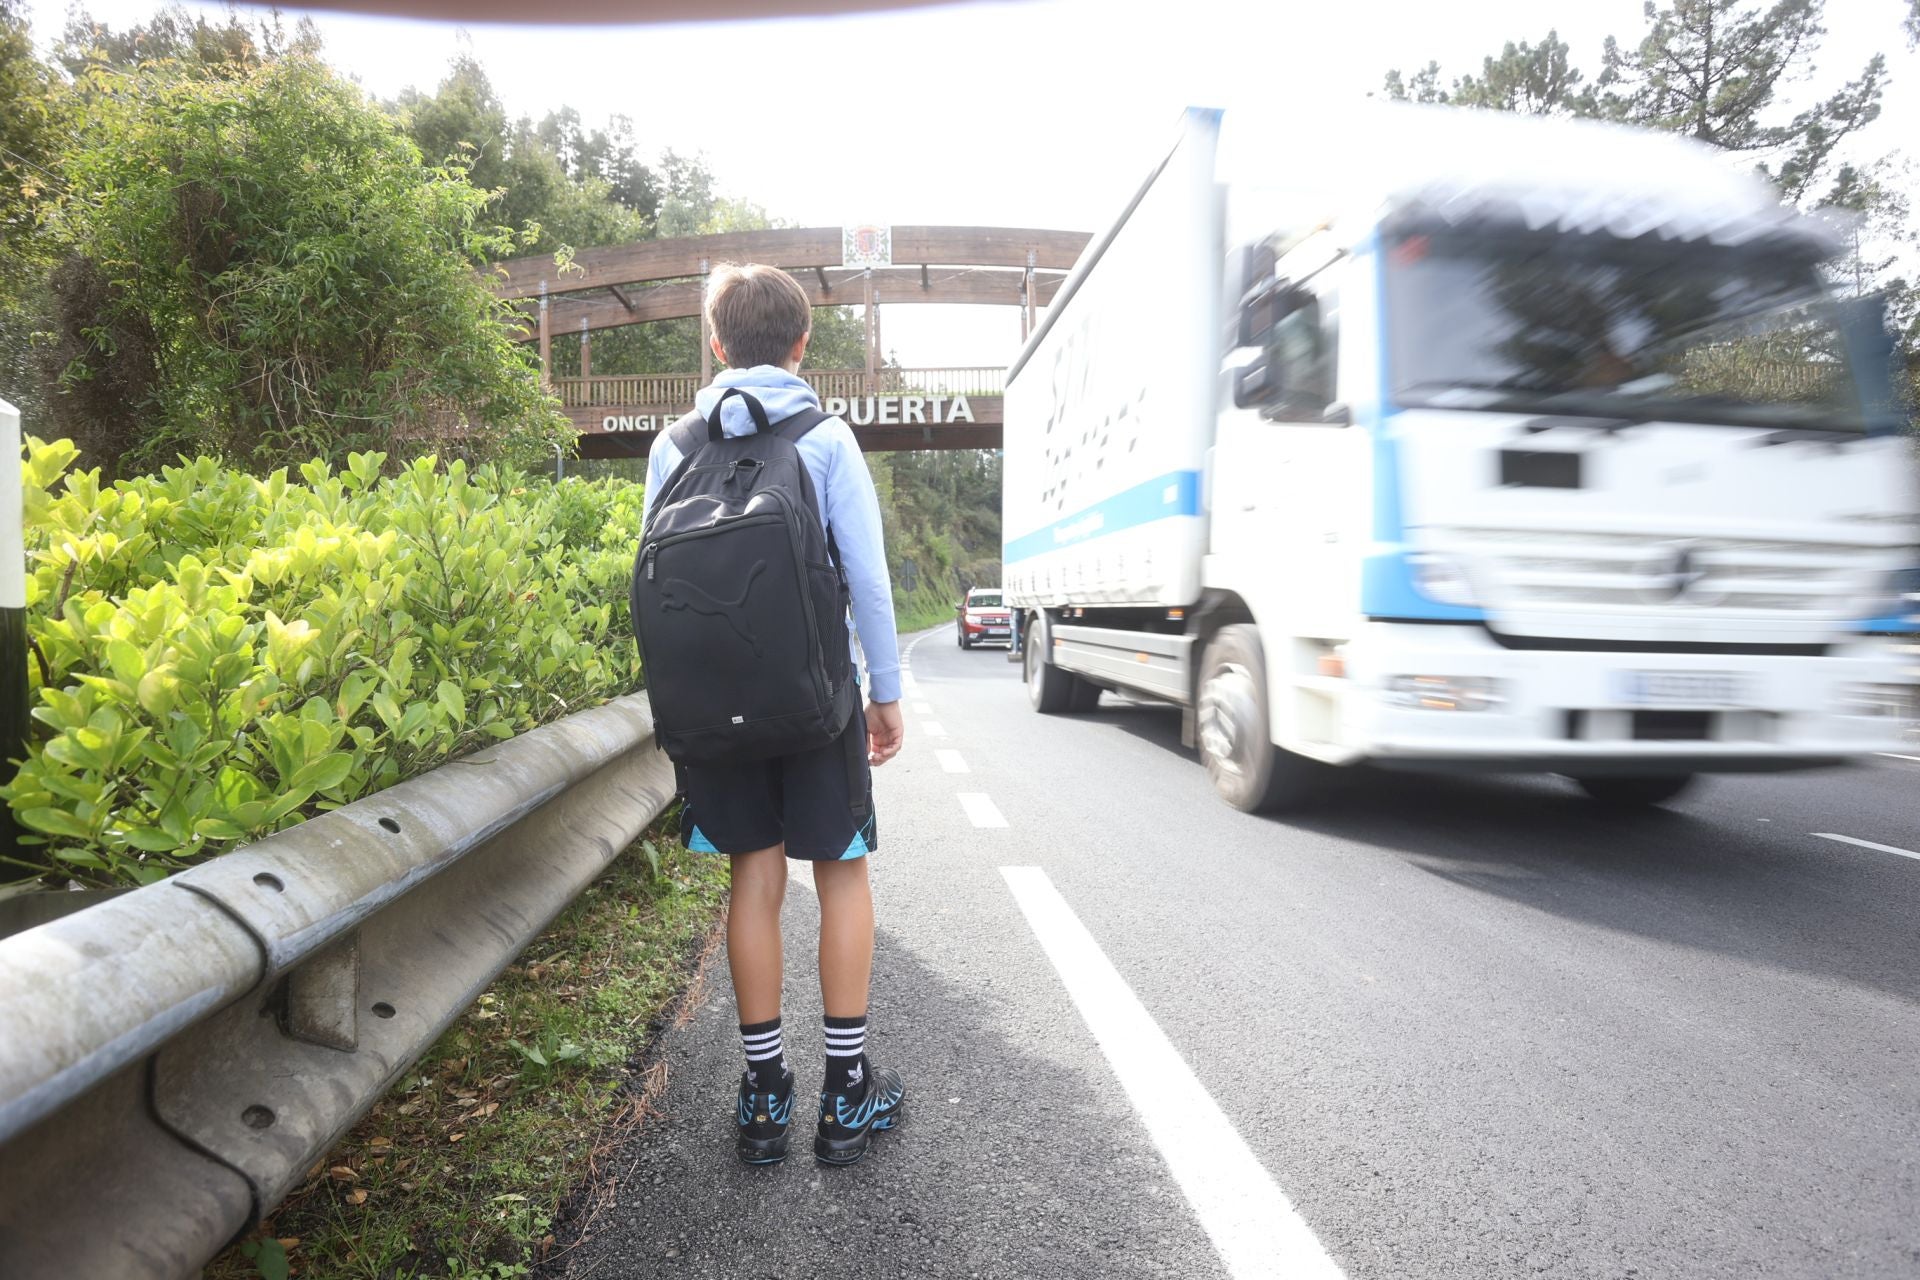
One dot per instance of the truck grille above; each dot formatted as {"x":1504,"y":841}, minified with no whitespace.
{"x":1637,"y":573}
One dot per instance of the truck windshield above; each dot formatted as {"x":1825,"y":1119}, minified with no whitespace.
{"x":1596,"y":325}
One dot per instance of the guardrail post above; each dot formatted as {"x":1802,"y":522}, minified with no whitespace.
{"x":13,"y":616}
{"x":319,"y":1005}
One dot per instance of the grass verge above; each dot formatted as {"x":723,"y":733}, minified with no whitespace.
{"x":495,"y":1138}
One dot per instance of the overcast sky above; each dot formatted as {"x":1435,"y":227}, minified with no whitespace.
{"x":1045,"y":113}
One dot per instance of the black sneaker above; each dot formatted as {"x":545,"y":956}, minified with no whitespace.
{"x":849,"y":1120}
{"x":762,"y":1137}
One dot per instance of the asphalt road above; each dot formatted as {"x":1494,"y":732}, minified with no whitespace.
{"x":1469,"y":1028}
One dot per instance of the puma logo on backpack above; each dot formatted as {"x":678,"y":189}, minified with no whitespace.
{"x":739,"y":601}
{"x":678,"y":593}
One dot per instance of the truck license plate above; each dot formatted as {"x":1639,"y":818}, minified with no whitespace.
{"x":1694,"y":689}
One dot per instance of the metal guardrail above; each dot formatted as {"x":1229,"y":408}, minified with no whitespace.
{"x":174,"y":1059}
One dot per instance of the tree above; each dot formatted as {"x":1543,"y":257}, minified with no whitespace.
{"x":30,"y":116}
{"x":1711,"y":69}
{"x":1536,"y":79}
{"x":258,"y":265}
{"x":603,"y":156}
{"x":464,"y":123}
{"x":174,"y":35}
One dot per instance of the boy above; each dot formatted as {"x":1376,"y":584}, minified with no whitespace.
{"x":800,"y":806}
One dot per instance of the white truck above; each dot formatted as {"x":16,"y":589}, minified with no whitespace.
{"x":1461,"y":440}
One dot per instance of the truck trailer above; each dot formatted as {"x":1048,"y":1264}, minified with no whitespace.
{"x":1460,"y":440}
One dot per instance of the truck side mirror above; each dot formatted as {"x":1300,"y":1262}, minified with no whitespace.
{"x":1262,"y":311}
{"x":1249,"y":274}
{"x":1255,"y":384}
{"x":1256,"y":320}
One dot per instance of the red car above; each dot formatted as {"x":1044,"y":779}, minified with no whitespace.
{"x":984,"y":619}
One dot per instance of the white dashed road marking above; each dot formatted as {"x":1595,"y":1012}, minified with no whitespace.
{"x":922,"y":708}
{"x":1255,"y":1228}
{"x":933,"y":729}
{"x":951,"y":761}
{"x":1867,"y":844}
{"x":981,"y":810}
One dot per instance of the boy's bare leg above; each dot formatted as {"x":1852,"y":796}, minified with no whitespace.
{"x":753,"y":932}
{"x":846,"y":936}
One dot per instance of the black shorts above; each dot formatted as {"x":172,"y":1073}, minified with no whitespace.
{"x":806,"y":800}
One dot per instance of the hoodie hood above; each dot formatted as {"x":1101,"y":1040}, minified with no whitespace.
{"x":780,"y":393}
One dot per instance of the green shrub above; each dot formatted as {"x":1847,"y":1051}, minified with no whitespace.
{"x":216,"y":656}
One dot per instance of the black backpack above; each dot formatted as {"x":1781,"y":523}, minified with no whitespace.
{"x":739,"y":600}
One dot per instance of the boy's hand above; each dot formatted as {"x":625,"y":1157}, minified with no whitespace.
{"x":885,"y":732}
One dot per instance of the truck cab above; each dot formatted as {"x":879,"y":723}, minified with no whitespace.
{"x":1551,"y":449}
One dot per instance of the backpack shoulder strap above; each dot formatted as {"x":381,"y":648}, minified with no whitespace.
{"x":688,"y":434}
{"x":792,"y":428}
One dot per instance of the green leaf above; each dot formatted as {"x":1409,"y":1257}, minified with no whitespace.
{"x":324,"y":774}
{"x":157,"y":691}
{"x":151,"y":839}
{"x":386,"y":708}
{"x":128,"y":663}
{"x":218,"y":829}
{"x":269,"y":1258}
{"x":56,"y":822}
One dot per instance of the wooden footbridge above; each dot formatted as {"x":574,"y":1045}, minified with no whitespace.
{"x":868,"y":267}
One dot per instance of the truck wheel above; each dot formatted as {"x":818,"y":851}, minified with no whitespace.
{"x":1635,"y":792}
{"x":1048,"y":687}
{"x":1236,"y":741}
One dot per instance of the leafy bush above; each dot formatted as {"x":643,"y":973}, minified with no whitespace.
{"x":216,"y":656}
{"x":258,"y":265}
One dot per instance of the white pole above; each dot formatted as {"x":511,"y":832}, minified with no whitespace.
{"x":13,"y":614}
{"x":13,"y":554}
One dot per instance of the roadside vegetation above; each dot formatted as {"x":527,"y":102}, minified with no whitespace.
{"x":216,"y":656}
{"x":942,"y":518}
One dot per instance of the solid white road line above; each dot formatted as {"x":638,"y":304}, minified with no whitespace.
{"x":1252,"y":1224}
{"x":951,"y":761}
{"x":1867,"y":844}
{"x":933,"y":729}
{"x":1895,"y":755}
{"x":981,"y":810}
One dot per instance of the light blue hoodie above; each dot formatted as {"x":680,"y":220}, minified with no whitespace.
{"x":848,"y":505}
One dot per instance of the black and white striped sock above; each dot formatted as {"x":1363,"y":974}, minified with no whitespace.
{"x":766,"y":1058}
{"x":846,"y":1054}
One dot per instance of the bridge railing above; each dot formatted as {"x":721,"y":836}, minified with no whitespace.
{"x":846,"y":383}
{"x":627,"y":389}
{"x":654,"y":390}
{"x":979,"y":380}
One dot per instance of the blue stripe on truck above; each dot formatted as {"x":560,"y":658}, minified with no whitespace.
{"x":1176,"y":493}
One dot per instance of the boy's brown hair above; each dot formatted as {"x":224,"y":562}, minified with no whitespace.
{"x":757,"y":312}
